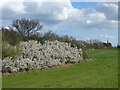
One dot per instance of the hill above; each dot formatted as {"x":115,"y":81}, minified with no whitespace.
{"x":99,"y":72}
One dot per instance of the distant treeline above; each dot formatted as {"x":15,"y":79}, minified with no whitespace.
{"x":25,"y":29}
{"x":13,"y":37}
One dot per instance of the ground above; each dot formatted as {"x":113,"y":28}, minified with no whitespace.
{"x":100,"y":71}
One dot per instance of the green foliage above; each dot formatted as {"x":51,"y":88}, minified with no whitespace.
{"x":10,"y":36}
{"x":10,"y":51}
{"x":10,"y":43}
{"x":36,"y":36}
{"x":50,"y":36}
{"x":85,"y":55}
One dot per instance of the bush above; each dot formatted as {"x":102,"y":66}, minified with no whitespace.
{"x":10,"y":36}
{"x":13,"y":38}
{"x":35,"y":36}
{"x":12,"y":52}
{"x":52,"y":37}
{"x":39,"y":56}
{"x":96,"y":44}
{"x":74,"y":43}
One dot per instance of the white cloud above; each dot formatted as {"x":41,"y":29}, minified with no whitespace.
{"x":63,"y":13}
{"x":88,"y":22}
{"x":109,"y":9}
{"x":87,"y":38}
{"x":97,"y":17}
{"x":106,"y":36}
{"x":16,"y":7}
{"x":92,"y":21}
{"x":50,"y":13}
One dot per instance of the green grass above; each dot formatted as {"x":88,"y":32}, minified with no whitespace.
{"x":100,"y":72}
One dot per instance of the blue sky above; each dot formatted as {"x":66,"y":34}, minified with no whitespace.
{"x":82,"y":20}
{"x":81,"y":5}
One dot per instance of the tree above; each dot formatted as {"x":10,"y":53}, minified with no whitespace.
{"x":26,"y":27}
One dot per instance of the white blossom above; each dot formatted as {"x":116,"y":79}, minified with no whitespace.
{"x":38,"y":56}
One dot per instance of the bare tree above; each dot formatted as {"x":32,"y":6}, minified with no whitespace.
{"x":26,"y":27}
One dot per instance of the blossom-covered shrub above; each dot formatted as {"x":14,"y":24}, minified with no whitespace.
{"x":38,"y":56}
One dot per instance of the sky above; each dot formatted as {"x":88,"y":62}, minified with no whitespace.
{"x":82,"y":20}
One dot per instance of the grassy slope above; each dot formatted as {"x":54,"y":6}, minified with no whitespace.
{"x":101,"y":72}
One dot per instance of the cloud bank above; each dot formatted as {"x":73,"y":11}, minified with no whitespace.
{"x":56,"y":14}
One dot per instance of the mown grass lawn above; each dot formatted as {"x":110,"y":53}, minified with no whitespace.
{"x":100,"y":72}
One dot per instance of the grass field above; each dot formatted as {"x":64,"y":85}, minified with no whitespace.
{"x":100,"y":72}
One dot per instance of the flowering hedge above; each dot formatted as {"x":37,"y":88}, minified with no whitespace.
{"x":38,"y":56}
